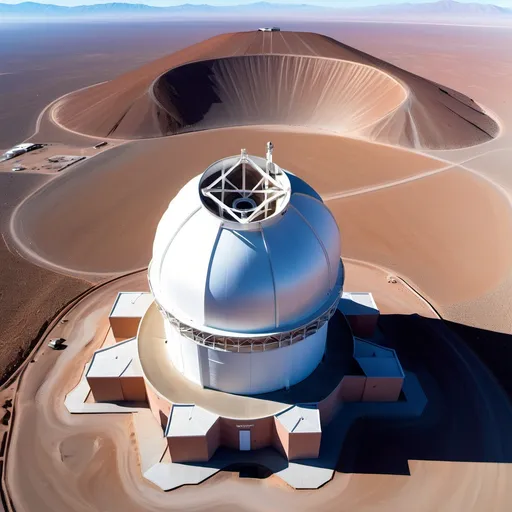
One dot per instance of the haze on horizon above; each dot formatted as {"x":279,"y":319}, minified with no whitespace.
{"x":320,"y":3}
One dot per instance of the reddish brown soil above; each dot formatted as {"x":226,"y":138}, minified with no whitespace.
{"x":447,"y":231}
{"x":418,"y":230}
{"x":91,"y":460}
{"x":108,"y":228}
{"x":230,"y":87}
{"x":400,"y":214}
{"x":29,"y":295}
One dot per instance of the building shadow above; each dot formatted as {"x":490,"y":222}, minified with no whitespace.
{"x":260,"y":463}
{"x":468,"y":417}
{"x":249,"y":470}
{"x":337,"y":362}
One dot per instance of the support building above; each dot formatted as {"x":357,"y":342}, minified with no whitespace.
{"x":241,"y":342}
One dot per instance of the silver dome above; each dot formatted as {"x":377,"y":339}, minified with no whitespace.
{"x":219,"y":272}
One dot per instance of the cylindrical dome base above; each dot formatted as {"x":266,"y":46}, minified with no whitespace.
{"x":245,"y":373}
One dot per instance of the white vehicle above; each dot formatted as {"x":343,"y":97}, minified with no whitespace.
{"x":18,"y":168}
{"x":269,"y":29}
{"x":57,"y":343}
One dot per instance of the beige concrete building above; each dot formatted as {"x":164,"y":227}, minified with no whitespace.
{"x":361,"y":312}
{"x":299,"y":432}
{"x":193,"y":433}
{"x":384,"y":374}
{"x":115,"y":374}
{"x":246,"y":339}
{"x":126,"y":313}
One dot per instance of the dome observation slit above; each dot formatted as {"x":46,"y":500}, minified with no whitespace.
{"x":246,"y":191}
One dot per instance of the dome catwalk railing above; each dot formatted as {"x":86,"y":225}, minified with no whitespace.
{"x":248,"y":344}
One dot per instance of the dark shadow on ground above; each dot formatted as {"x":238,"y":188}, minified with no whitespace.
{"x":255,"y":462}
{"x":249,"y":470}
{"x":493,"y":348}
{"x":468,"y":416}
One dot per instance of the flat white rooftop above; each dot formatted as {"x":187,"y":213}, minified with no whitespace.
{"x":188,"y":420}
{"x":131,"y":304}
{"x":377,"y":361}
{"x":25,"y":145}
{"x":301,"y":418}
{"x":358,"y":303}
{"x":121,"y":359}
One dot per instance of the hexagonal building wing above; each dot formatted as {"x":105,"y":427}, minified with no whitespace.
{"x":193,"y":433}
{"x":299,"y":431}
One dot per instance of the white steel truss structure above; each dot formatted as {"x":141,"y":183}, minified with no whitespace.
{"x":247,"y":193}
{"x":247,"y":344}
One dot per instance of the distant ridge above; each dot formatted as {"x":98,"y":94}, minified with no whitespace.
{"x":31,"y":8}
{"x":443,"y":9}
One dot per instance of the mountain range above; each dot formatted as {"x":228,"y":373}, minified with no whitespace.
{"x":428,"y":10}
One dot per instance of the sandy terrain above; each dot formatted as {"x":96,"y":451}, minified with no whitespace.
{"x":97,"y":459}
{"x":421,"y":233}
{"x":68,"y":56}
{"x":317,"y":82}
{"x":400,"y":214}
{"x":30,"y":296}
{"x":155,"y":171}
{"x":441,"y":221}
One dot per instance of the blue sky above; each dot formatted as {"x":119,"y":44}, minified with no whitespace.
{"x":331,"y":3}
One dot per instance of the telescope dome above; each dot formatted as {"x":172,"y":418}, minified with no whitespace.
{"x":246,"y":249}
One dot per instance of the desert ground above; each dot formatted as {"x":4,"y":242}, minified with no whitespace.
{"x":410,"y":152}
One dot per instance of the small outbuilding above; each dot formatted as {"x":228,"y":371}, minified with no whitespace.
{"x":361,"y":312}
{"x":299,"y":431}
{"x":127,"y":312}
{"x":193,"y":433}
{"x":115,"y":374}
{"x":383,"y":371}
{"x":20,"y":149}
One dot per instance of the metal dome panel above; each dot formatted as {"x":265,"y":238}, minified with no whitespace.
{"x":184,"y":268}
{"x":240,"y":285}
{"x":217,"y":275}
{"x":185,"y":204}
{"x":300,"y":269}
{"x":324,"y":226}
